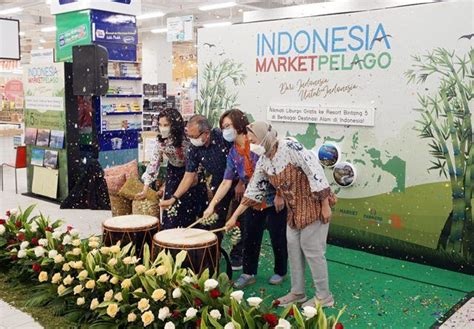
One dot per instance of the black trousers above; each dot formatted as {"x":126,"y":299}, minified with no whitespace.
{"x":255,"y":223}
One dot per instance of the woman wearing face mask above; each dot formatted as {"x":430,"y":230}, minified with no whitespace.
{"x":173,"y":144}
{"x":297,"y":175}
{"x":270,"y":213}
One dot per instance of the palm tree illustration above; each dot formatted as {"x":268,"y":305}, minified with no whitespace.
{"x":447,"y":123}
{"x":214,"y":97}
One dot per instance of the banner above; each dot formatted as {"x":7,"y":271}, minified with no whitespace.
{"x":372,"y":83}
{"x":73,"y":29}
{"x":180,"y":28}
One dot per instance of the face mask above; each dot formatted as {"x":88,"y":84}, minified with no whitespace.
{"x":257,"y":149}
{"x":198,"y":142}
{"x":229,"y":134}
{"x":165,"y":132}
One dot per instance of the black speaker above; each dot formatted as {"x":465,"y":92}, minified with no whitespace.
{"x":90,"y":70}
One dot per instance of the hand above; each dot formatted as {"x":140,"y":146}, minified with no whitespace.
{"x":230,"y":223}
{"x":326,"y":214}
{"x":161,"y":191}
{"x":140,"y":196}
{"x":165,"y":204}
{"x":208,"y":212}
{"x":239,"y":190}
{"x":279,"y":203}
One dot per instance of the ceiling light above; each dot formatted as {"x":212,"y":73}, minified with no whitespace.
{"x":9,"y":11}
{"x":40,"y":47}
{"x":22,"y":34}
{"x":48,"y":29}
{"x":151,"y":15}
{"x":42,"y":40}
{"x":48,"y":2}
{"x":218,"y":6}
{"x":217,"y":24}
{"x":159,"y":30}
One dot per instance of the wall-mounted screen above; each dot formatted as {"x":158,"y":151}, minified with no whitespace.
{"x":10,"y":39}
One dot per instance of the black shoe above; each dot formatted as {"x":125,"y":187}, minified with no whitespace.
{"x":236,"y":264}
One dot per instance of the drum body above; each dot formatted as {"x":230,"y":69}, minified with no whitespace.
{"x":202,"y":248}
{"x":138,"y":229}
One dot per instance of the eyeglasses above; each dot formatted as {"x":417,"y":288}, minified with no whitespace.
{"x":197,"y":135}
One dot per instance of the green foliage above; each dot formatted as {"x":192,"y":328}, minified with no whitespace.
{"x":446,"y":121}
{"x":214,"y":97}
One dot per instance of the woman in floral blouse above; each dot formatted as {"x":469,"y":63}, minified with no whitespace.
{"x":297,"y":175}
{"x":172,"y":144}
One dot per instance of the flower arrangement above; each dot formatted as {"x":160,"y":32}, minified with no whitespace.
{"x":109,"y":286}
{"x":235,"y":235}
{"x":209,"y":221}
{"x":173,"y":210}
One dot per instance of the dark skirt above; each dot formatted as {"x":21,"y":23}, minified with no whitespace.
{"x":191,"y":205}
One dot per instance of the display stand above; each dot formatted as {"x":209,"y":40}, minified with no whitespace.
{"x":51,"y":134}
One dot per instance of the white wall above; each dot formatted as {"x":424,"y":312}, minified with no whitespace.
{"x":157,"y":64}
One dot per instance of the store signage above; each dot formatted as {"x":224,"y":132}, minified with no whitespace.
{"x":73,"y":29}
{"x":42,"y":56}
{"x":345,"y":116}
{"x":180,"y":28}
{"x":130,"y":7}
{"x":116,"y":28}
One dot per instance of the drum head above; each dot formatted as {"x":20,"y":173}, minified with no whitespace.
{"x":130,"y":222}
{"x":184,"y":237}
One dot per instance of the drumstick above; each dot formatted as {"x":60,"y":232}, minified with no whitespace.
{"x":204,"y":232}
{"x":196,"y":222}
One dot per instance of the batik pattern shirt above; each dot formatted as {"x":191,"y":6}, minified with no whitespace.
{"x":297,"y":175}
{"x":165,"y":148}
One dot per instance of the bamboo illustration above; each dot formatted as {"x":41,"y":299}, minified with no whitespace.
{"x":446,"y":121}
{"x":214,"y":98}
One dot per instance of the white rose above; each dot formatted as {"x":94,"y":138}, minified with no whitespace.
{"x":112,"y":262}
{"x":237,"y":295}
{"x":43,"y":243}
{"x":229,"y":325}
{"x":39,"y":251}
{"x":210,"y":284}
{"x":131,"y":317}
{"x":104,"y":278}
{"x":13,"y":212}
{"x":2,"y":230}
{"x":24,"y":245}
{"x":76,"y":243}
{"x":163,"y":313}
{"x":52,"y":253}
{"x":58,"y":259}
{"x":78,"y":289}
{"x":81,"y":301}
{"x":66,"y":267}
{"x":56,"y":278}
{"x":114,"y":280}
{"x":118,"y":297}
{"x":74,"y":232}
{"x":104,"y":250}
{"x":309,"y":312}
{"x":188,"y":280}
{"x":254,"y":301}
{"x":177,"y":293}
{"x":140,"y":269}
{"x":76,"y":251}
{"x":67,"y":240}
{"x":191,"y":312}
{"x":94,"y":304}
{"x":215,"y":314}
{"x":94,"y":244}
{"x":282,"y":324}
{"x":108,"y":295}
{"x":57,"y":235}
{"x":34,"y":227}
{"x":21,"y":254}
{"x":94,"y":252}
{"x":82,"y":275}
{"x":169,"y":325}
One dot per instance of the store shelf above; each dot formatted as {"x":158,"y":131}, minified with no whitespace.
{"x":123,"y":96}
{"x":121,"y":113}
{"x":125,"y":78}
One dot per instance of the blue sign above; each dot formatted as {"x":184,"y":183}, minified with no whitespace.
{"x":111,"y":27}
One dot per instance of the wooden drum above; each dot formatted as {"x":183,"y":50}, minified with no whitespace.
{"x":202,"y":247}
{"x":138,"y":229}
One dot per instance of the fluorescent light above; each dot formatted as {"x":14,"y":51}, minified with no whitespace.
{"x":40,"y":47}
{"x":48,"y":29}
{"x":22,"y":34}
{"x":151,"y":15}
{"x":48,"y":2}
{"x":159,"y":30}
{"x":217,"y":24}
{"x":42,"y":40}
{"x":9,"y":11}
{"x":218,"y":6}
